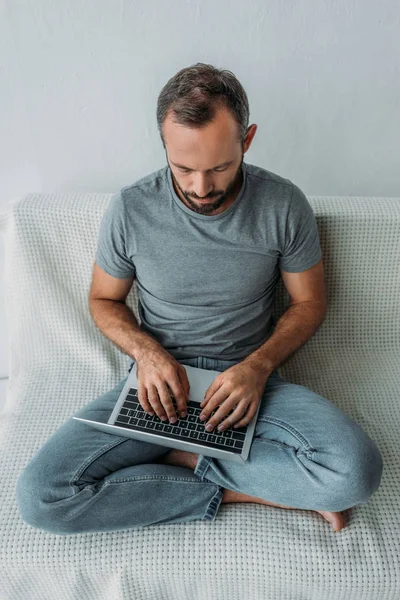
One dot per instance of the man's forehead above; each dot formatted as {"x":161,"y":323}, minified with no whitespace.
{"x":222,"y":164}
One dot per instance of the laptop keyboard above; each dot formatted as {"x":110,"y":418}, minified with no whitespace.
{"x":189,"y":428}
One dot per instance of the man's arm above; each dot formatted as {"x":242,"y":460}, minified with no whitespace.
{"x":118,"y":323}
{"x":306,"y":312}
{"x":112,"y":316}
{"x":294,"y":328}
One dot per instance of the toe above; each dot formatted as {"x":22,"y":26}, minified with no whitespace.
{"x":336,"y":519}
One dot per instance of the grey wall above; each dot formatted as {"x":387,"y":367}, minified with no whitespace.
{"x":79,"y":83}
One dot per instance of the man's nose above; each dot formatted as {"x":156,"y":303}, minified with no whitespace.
{"x":202,"y":188}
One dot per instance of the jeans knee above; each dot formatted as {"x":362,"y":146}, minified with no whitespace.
{"x":28,"y":498}
{"x":373,"y":470}
{"x":26,"y":495}
{"x":34,"y":510}
{"x":365,"y":473}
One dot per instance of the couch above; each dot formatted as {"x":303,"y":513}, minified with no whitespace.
{"x":59,"y":361}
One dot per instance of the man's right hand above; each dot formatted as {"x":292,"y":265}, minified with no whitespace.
{"x":155,"y":370}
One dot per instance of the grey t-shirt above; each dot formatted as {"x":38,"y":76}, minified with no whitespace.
{"x":206,"y":284}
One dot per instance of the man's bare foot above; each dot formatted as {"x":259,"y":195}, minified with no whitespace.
{"x":336,"y":519}
{"x":182,"y":458}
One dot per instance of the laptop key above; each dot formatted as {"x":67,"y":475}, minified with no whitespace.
{"x":123,"y":419}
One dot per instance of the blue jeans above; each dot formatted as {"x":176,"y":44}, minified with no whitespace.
{"x":306,"y":453}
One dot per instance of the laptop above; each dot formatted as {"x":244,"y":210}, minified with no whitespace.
{"x":129,"y":419}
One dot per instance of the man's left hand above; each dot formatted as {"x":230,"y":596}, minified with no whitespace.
{"x":240,"y":386}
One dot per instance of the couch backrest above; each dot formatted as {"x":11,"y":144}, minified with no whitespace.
{"x":360,"y":242}
{"x":50,"y":244}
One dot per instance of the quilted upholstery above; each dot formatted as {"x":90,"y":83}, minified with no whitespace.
{"x":59,"y":361}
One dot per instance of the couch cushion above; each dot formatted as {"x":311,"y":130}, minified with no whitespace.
{"x":60,"y":361}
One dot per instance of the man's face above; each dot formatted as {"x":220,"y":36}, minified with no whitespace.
{"x":209,"y":184}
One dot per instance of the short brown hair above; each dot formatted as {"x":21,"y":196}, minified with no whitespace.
{"x":196,"y":92}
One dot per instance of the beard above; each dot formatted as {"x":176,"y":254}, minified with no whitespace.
{"x":216,"y":200}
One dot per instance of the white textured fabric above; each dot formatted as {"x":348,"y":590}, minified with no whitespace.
{"x":59,"y":361}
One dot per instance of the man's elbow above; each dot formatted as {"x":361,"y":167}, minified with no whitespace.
{"x":323,"y":312}
{"x":320,"y":311}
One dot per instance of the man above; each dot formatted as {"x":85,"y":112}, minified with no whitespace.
{"x":206,"y":239}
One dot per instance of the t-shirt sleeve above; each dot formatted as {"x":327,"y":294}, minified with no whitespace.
{"x":302,"y":249}
{"x":111,"y":250}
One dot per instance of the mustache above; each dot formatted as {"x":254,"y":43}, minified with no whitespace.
{"x":207,"y":197}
